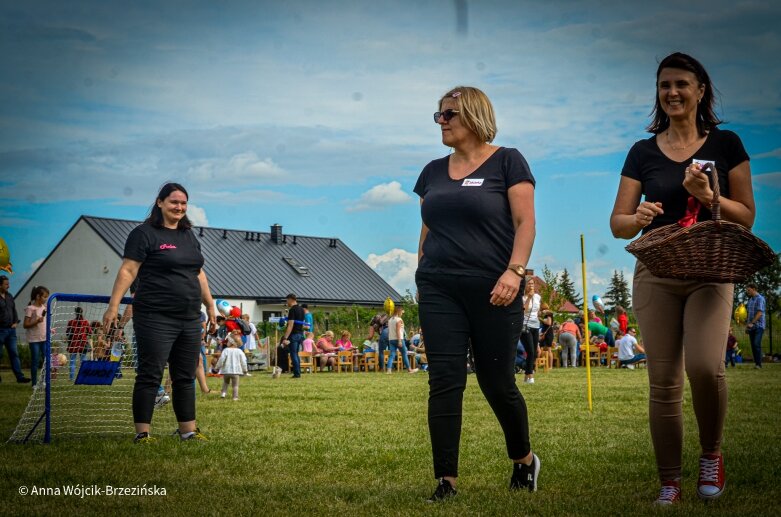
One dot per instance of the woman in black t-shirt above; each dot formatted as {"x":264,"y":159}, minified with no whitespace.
{"x":477,"y":207}
{"x":165,"y":257}
{"x":678,"y":316}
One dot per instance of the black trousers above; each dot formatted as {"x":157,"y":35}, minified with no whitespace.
{"x":161,"y":339}
{"x":530,"y":340}
{"x":454,"y":312}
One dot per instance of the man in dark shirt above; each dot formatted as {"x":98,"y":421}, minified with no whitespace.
{"x":294,"y":332}
{"x":8,"y":321}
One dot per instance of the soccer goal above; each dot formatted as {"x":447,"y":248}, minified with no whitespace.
{"x":85,"y":386}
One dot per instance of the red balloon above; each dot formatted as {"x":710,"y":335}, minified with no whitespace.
{"x":235,"y":312}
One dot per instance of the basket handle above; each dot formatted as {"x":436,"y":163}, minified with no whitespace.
{"x":715,"y":206}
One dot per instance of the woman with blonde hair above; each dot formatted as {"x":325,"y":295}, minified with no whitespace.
{"x":477,"y":207}
{"x":530,"y":335}
{"x":325,"y":346}
{"x":396,"y":335}
{"x":344,"y":343}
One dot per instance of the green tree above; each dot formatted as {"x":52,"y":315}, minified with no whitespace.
{"x":550,"y":292}
{"x":617,"y":293}
{"x":566,"y":288}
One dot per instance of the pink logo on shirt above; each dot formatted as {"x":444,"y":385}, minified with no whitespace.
{"x":167,"y":247}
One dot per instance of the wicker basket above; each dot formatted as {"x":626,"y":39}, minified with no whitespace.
{"x":708,"y":251}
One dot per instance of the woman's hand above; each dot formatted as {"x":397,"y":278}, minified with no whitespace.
{"x":645,"y":213}
{"x":506,"y":289}
{"x":211,"y":328}
{"x":696,"y":183}
{"x":110,"y":319}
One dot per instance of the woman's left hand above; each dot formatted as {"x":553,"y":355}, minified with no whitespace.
{"x":506,"y":289}
{"x":696,"y":183}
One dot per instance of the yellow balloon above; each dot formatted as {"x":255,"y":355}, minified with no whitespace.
{"x":741,"y":314}
{"x":389,"y":306}
{"x":5,"y":256}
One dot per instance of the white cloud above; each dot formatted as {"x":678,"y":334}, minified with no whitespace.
{"x":578,"y":175}
{"x":22,"y":277}
{"x":397,"y":267}
{"x":197,"y":215}
{"x":381,"y":196}
{"x":771,"y":179}
{"x":775,"y":153}
{"x":238,"y":169}
{"x":36,"y":264}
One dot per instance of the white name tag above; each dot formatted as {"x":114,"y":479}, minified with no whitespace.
{"x":472,"y":182}
{"x":702,"y":163}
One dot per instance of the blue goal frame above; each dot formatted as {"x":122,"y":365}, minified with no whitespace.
{"x":63,"y":297}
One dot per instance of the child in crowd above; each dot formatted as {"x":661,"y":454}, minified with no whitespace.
{"x":76,"y":334}
{"x":309,"y":342}
{"x":101,"y":350}
{"x":344,"y":342}
{"x":732,"y":348}
{"x":232,"y":364}
{"x":35,"y":327}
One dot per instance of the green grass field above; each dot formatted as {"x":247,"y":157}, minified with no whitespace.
{"x":357,"y":444}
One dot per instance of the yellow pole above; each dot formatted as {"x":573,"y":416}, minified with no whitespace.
{"x":586,"y":339}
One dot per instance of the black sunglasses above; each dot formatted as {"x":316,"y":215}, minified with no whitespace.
{"x":447,"y":115}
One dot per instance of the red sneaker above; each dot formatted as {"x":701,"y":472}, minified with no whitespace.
{"x":711,"y":482}
{"x":670,"y":493}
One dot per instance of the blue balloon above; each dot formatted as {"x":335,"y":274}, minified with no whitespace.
{"x":223,"y":307}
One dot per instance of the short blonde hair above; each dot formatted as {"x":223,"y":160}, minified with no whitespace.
{"x":329,"y":333}
{"x":475,"y":110}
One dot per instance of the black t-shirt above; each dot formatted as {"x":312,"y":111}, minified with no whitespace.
{"x":471,"y":231}
{"x":296,"y":314}
{"x":168,"y":276}
{"x":662,"y":178}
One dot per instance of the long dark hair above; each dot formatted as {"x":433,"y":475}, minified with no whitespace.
{"x":38,"y":289}
{"x":706,"y":117}
{"x":155,"y":217}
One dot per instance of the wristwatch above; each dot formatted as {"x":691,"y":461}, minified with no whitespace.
{"x":518,"y":269}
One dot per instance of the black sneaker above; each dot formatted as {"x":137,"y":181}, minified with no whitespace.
{"x":196,"y":435}
{"x":144,"y":438}
{"x":525,"y":476}
{"x":444,"y":491}
{"x":22,"y":380}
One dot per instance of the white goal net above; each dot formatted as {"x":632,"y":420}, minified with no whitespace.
{"x":85,"y":385}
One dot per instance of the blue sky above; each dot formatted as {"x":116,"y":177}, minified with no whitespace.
{"x":317,"y":115}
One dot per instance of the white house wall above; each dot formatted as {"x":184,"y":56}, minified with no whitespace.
{"x":82,"y":264}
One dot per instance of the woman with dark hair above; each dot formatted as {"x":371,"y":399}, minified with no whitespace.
{"x":35,"y":325}
{"x":166,"y":258}
{"x":477,"y":206}
{"x":667,"y":170}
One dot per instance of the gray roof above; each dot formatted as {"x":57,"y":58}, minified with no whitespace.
{"x":250,"y":265}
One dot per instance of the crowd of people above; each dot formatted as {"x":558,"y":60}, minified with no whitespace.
{"x":479,"y":309}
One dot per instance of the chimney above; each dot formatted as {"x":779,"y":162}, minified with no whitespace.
{"x":276,"y":233}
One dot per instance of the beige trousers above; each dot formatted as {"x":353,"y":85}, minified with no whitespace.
{"x":684,"y":325}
